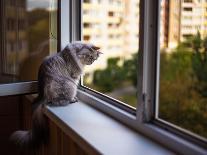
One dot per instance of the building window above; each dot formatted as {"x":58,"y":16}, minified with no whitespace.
{"x":87,"y":25}
{"x":86,"y":37}
{"x":187,"y":9}
{"x":111,"y":13}
{"x":87,"y":1}
{"x":188,"y":1}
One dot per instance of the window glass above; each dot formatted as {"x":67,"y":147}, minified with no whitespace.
{"x":183,"y":65}
{"x":53,"y":26}
{"x":24,"y":38}
{"x":113,"y":25}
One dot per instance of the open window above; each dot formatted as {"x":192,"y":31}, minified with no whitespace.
{"x":114,"y":27}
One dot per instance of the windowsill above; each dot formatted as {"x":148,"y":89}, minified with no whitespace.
{"x":102,"y":132}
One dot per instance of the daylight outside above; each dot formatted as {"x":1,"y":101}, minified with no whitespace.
{"x":113,"y":25}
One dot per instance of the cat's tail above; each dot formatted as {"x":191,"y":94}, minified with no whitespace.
{"x":32,"y":139}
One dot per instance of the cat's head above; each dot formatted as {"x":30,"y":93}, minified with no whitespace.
{"x":87,"y":53}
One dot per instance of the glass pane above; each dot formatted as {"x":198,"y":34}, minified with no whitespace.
{"x":53,"y":26}
{"x":113,"y":25}
{"x":24,"y":38}
{"x":183,"y":66}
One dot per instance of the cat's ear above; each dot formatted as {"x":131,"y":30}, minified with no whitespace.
{"x":95,"y":47}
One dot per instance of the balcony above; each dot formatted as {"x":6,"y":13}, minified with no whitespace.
{"x":78,"y":129}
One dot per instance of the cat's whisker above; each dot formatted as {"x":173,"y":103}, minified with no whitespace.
{"x":100,"y":52}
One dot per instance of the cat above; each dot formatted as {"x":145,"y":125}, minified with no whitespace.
{"x":58,"y":78}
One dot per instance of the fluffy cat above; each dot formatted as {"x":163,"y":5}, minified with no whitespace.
{"x":58,"y":78}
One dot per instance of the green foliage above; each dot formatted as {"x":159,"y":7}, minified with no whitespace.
{"x":196,"y":42}
{"x":175,"y":64}
{"x":174,"y":83}
{"x":205,"y":45}
{"x":199,"y":63}
{"x":109,"y":78}
{"x":183,"y":80}
{"x":130,"y":69}
{"x":115,"y":75}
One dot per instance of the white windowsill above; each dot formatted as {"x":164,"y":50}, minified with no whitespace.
{"x":102,"y":132}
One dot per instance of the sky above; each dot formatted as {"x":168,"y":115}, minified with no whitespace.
{"x":46,"y":4}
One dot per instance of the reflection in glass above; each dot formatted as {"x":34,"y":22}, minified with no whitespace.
{"x":113,"y":25}
{"x":183,"y":65}
{"x":24,"y":38}
{"x":53,"y":26}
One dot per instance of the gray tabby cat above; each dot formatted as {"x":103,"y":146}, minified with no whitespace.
{"x":58,"y":78}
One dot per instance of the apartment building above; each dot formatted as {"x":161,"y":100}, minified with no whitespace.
{"x":181,"y":19}
{"x":131,"y":26}
{"x":193,"y":18}
{"x":174,"y":10}
{"x":112,"y":25}
{"x":164,"y":23}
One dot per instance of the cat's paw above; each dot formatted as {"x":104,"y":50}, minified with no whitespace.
{"x":75,"y":99}
{"x":58,"y":103}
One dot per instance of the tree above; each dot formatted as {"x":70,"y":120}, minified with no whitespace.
{"x":130,"y":69}
{"x":183,"y":72}
{"x":109,"y":78}
{"x":199,"y":63}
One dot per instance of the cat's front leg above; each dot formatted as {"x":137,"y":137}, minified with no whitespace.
{"x":58,"y":102}
{"x":64,"y":102}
